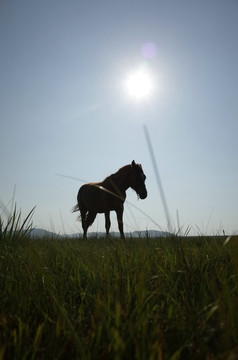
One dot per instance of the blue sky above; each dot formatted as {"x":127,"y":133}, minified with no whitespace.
{"x":65,"y":110}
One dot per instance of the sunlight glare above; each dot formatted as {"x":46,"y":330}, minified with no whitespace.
{"x":139,"y":84}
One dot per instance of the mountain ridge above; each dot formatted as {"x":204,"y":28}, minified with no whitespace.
{"x":42,"y":233}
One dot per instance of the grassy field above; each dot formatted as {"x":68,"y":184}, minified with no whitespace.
{"x":154,"y":298}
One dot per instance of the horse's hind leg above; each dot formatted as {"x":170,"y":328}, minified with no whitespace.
{"x":107,"y":222}
{"x":90,"y":217}
{"x":83,"y":213}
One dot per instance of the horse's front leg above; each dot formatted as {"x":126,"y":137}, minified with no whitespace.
{"x":107,"y":222}
{"x":120,"y":221}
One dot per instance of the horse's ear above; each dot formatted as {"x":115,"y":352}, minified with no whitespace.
{"x":133,"y":164}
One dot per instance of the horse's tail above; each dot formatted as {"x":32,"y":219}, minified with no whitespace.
{"x":75,"y":208}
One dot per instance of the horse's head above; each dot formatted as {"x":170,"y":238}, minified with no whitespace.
{"x":138,"y":180}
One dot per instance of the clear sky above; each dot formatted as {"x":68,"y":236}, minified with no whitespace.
{"x":65,"y":109}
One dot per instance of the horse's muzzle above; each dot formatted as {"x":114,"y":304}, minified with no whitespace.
{"x":143,"y":194}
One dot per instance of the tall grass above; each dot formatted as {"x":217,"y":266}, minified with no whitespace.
{"x":12,"y":228}
{"x":154,"y":298}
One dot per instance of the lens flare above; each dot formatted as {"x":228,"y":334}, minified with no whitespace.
{"x":149,"y":50}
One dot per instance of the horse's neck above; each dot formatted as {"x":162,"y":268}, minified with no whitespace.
{"x":119,"y":182}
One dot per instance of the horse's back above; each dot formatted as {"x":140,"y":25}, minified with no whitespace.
{"x":95,"y":197}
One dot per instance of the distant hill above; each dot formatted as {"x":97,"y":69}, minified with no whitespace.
{"x":41,"y":233}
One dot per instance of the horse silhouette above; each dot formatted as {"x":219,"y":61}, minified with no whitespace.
{"x":109,"y":195}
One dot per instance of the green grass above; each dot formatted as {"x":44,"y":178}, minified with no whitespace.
{"x":173,"y":298}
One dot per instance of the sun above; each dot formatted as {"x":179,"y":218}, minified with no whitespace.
{"x":139,"y":84}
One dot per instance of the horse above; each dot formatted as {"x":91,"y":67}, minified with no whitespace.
{"x":109,"y":195}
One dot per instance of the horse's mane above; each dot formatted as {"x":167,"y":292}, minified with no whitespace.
{"x":119,"y":172}
{"x":122,"y":171}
